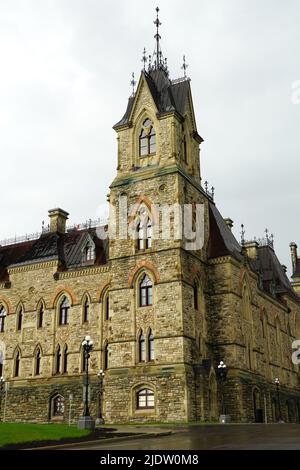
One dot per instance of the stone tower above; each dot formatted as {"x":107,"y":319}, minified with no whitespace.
{"x":158,"y":175}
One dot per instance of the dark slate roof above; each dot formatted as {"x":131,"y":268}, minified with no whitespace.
{"x":222,"y":242}
{"x":273,"y":277}
{"x":66,"y":247}
{"x":168,"y":96}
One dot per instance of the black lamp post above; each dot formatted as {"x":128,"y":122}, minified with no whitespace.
{"x":85,"y":421}
{"x":222,"y":374}
{"x":277,"y":383}
{"x":2,"y":382}
{"x":100,"y":375}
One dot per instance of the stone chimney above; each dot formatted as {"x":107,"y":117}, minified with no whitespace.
{"x":251,"y":249}
{"x":229,"y":223}
{"x":294,"y":255}
{"x":58,"y":219}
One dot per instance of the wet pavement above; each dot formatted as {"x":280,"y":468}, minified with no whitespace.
{"x":207,"y":437}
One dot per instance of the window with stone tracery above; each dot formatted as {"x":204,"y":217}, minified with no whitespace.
{"x":147,"y":139}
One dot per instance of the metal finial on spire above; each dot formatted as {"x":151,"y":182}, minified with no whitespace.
{"x":133,"y":83}
{"x":184,"y":66}
{"x":144,"y":58}
{"x":206,"y":186}
{"x":243,"y":234}
{"x":157,"y":37}
{"x":267,"y":234}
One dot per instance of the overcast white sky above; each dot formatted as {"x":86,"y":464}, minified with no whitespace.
{"x":65,"y":68}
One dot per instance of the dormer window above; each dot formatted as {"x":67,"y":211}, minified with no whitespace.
{"x":147,"y":140}
{"x":88,"y":254}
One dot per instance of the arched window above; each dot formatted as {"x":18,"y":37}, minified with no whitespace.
{"x":64,"y":311}
{"x":106,"y":358}
{"x":58,"y":406}
{"x":106,"y":307}
{"x":147,"y":139}
{"x":37,"y":367}
{"x":17,"y":364}
{"x":142,"y":348}
{"x":41,"y":316}
{"x":145,"y":291}
{"x":196,"y":292}
{"x":86,"y":307}
{"x":20,"y":320}
{"x":57,"y":360}
{"x":144,"y":234}
{"x":150,"y":346}
{"x":2,"y":318}
{"x":88,"y":253}
{"x":145,"y":399}
{"x":65,"y":360}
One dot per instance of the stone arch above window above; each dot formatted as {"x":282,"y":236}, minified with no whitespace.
{"x":147,"y":138}
{"x":142,"y":267}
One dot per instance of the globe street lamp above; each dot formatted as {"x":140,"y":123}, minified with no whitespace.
{"x":100,"y":376}
{"x":2,"y":382}
{"x":277,"y":383}
{"x":85,"y":421}
{"x":222,"y":374}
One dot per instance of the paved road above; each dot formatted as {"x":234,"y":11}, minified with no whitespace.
{"x":219,"y":437}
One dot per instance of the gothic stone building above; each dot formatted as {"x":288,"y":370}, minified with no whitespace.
{"x":161,"y":316}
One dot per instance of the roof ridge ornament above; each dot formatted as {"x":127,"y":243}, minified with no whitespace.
{"x":133,"y":83}
{"x":184,"y":67}
{"x":157,"y":61}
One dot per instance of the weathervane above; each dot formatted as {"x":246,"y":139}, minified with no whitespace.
{"x":133,"y":83}
{"x":184,"y":67}
{"x":144,"y":58}
{"x":243,"y":235}
{"x":157,"y":38}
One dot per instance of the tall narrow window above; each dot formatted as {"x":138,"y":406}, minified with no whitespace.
{"x":147,"y":139}
{"x":64,"y":311}
{"x":145,"y":291}
{"x":150,"y":346}
{"x":145,"y":399}
{"x":37,"y":370}
{"x":57,"y":360}
{"x":2,"y":318}
{"x":20,"y":320}
{"x":144,"y":234}
{"x":196,"y":290}
{"x":142,"y":348}
{"x":41,"y":316}
{"x":86,"y":307}
{"x":106,"y":359}
{"x":184,"y":150}
{"x":65,"y":360}
{"x":17,"y":364}
{"x":106,"y":307}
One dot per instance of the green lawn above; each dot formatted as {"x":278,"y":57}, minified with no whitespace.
{"x":16,"y":433}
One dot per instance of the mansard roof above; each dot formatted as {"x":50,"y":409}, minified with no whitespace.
{"x":65,"y":247}
{"x":222,"y":242}
{"x":168,"y":96}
